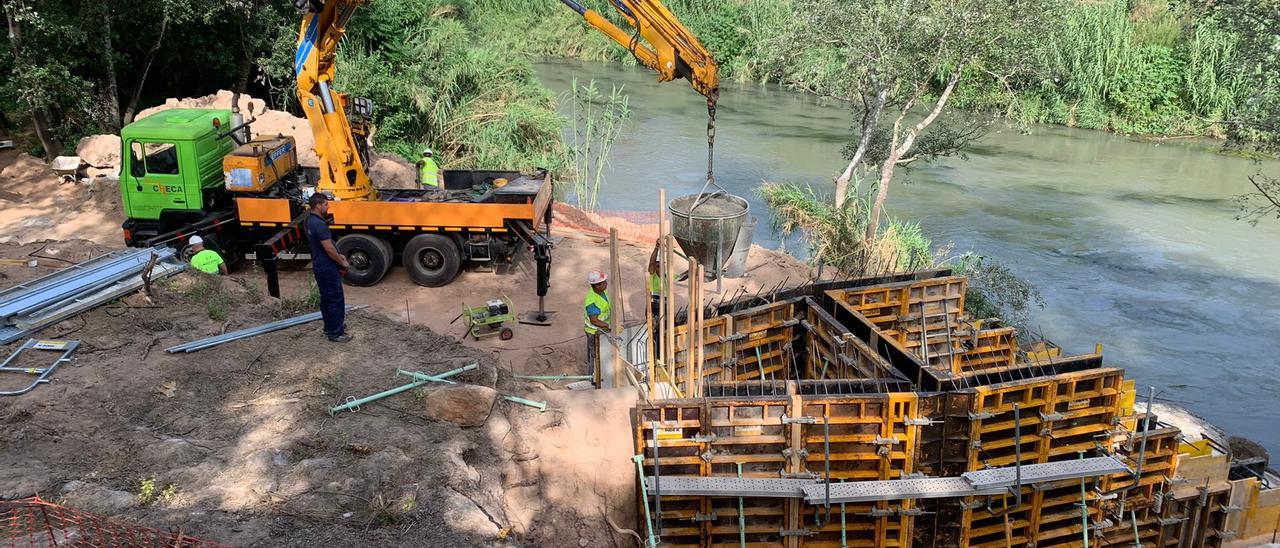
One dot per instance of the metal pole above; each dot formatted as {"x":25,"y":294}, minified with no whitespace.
{"x":1142,"y":449}
{"x":1084,"y":509}
{"x":644,"y":495}
{"x":357,"y":403}
{"x":742,"y":520}
{"x":442,"y":377}
{"x":1017,"y":456}
{"x":1137,"y":540}
{"x":657,"y":476}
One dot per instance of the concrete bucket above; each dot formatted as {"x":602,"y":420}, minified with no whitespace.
{"x":708,"y":232}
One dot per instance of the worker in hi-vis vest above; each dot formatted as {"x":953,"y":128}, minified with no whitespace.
{"x":655,"y":298}
{"x":595,"y":314}
{"x":205,"y":260}
{"x":429,"y":174}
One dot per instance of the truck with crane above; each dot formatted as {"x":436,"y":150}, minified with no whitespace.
{"x":200,"y":171}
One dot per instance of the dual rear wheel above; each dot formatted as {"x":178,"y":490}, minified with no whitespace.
{"x":431,"y":260}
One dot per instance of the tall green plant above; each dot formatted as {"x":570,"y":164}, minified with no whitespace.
{"x":597,"y":121}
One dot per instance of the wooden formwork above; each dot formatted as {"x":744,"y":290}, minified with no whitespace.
{"x":987,"y":349}
{"x":943,"y":451}
{"x":1195,"y":516}
{"x":835,"y":353}
{"x":1060,"y":417}
{"x":715,"y":349}
{"x":919,"y":315}
{"x":872,"y":436}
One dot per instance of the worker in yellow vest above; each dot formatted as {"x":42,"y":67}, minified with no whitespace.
{"x":595,"y":314}
{"x":655,"y":298}
{"x":429,"y":174}
{"x":205,"y":260}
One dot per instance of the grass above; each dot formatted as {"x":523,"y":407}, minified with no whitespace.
{"x":206,"y":289}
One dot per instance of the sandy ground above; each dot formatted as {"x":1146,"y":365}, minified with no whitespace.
{"x":242,"y":434}
{"x":35,"y":205}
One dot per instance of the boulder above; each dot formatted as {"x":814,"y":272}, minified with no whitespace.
{"x":392,"y":172}
{"x":465,"y":405}
{"x":100,"y":151}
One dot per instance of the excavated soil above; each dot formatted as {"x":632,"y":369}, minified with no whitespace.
{"x":240,"y":448}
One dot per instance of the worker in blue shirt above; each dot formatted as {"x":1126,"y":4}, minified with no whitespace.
{"x":328,"y":266}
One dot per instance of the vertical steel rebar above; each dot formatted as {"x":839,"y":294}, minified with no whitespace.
{"x":657,"y":477}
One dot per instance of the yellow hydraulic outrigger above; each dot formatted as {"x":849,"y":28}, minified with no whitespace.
{"x":668,"y":48}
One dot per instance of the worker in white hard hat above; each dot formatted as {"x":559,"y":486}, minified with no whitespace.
{"x":429,"y":174}
{"x":205,"y":260}
{"x":596,"y":308}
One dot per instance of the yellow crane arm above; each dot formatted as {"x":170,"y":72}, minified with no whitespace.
{"x":339,"y":145}
{"x":668,"y":47}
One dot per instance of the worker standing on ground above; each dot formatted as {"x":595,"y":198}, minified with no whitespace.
{"x":655,"y":298}
{"x":429,"y":174}
{"x":327,"y":265}
{"x":596,"y":309}
{"x":205,"y":260}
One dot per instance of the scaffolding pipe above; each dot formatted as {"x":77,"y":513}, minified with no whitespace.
{"x":1137,"y":540}
{"x":441,"y":377}
{"x":354,"y":404}
{"x":1017,"y":456}
{"x":742,"y":520}
{"x":1142,"y":449}
{"x":554,"y":377}
{"x":644,"y":495}
{"x":657,"y":477}
{"x":539,"y":405}
{"x":1084,"y":509}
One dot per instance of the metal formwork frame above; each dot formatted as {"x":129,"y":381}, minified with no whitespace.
{"x":42,"y":373}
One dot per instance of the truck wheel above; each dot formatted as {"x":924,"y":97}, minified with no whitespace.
{"x":370,"y":258}
{"x":432,"y":260}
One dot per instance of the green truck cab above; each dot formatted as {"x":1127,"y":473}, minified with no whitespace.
{"x":171,"y":171}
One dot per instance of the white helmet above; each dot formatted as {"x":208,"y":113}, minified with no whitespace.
{"x":195,"y":240}
{"x":595,"y":276}
{"x":426,"y":151}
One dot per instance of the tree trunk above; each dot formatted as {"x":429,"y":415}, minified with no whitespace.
{"x":146,"y":67}
{"x":897,"y":150}
{"x":870,"y":117}
{"x":111,"y":93}
{"x":39,"y":114}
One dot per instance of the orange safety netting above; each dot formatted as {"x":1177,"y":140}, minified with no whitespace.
{"x":35,"y":522}
{"x":638,"y":226}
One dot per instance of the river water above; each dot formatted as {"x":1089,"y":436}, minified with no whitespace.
{"x":1133,"y":244}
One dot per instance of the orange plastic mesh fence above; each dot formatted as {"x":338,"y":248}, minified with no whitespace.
{"x":639,"y":226}
{"x":33,"y":522}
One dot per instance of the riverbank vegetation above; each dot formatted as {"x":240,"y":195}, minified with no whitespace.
{"x":78,"y":67}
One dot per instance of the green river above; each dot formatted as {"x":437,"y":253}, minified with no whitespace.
{"x":1132,"y":243}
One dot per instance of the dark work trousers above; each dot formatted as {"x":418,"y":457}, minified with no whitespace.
{"x":593,"y":353}
{"x":656,"y":305}
{"x":332,"y":303}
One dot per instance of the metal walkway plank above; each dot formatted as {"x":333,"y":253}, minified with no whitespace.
{"x":1006,"y":476}
{"x":727,"y":486}
{"x":915,"y":488}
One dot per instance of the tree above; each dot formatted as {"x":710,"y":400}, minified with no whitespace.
{"x":1256,"y":126}
{"x":904,"y":60}
{"x":18,"y":16}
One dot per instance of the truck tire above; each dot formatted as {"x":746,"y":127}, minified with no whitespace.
{"x":370,"y":258}
{"x":432,"y":260}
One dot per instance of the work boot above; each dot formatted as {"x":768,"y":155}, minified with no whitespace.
{"x":341,"y":338}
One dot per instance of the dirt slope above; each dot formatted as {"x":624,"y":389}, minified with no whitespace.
{"x":242,"y":434}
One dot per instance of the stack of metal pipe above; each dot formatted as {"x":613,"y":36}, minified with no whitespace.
{"x":33,"y":305}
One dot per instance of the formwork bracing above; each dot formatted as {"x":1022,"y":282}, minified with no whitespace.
{"x":889,"y":382}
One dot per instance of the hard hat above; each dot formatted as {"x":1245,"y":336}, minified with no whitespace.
{"x":195,"y":240}
{"x":595,"y":276}
{"x":426,"y":151}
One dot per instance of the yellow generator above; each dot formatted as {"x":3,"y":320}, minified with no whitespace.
{"x":260,"y":163}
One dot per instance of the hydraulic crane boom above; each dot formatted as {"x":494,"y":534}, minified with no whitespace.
{"x":669,"y":48}
{"x":659,"y":42}
{"x":340,"y":145}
